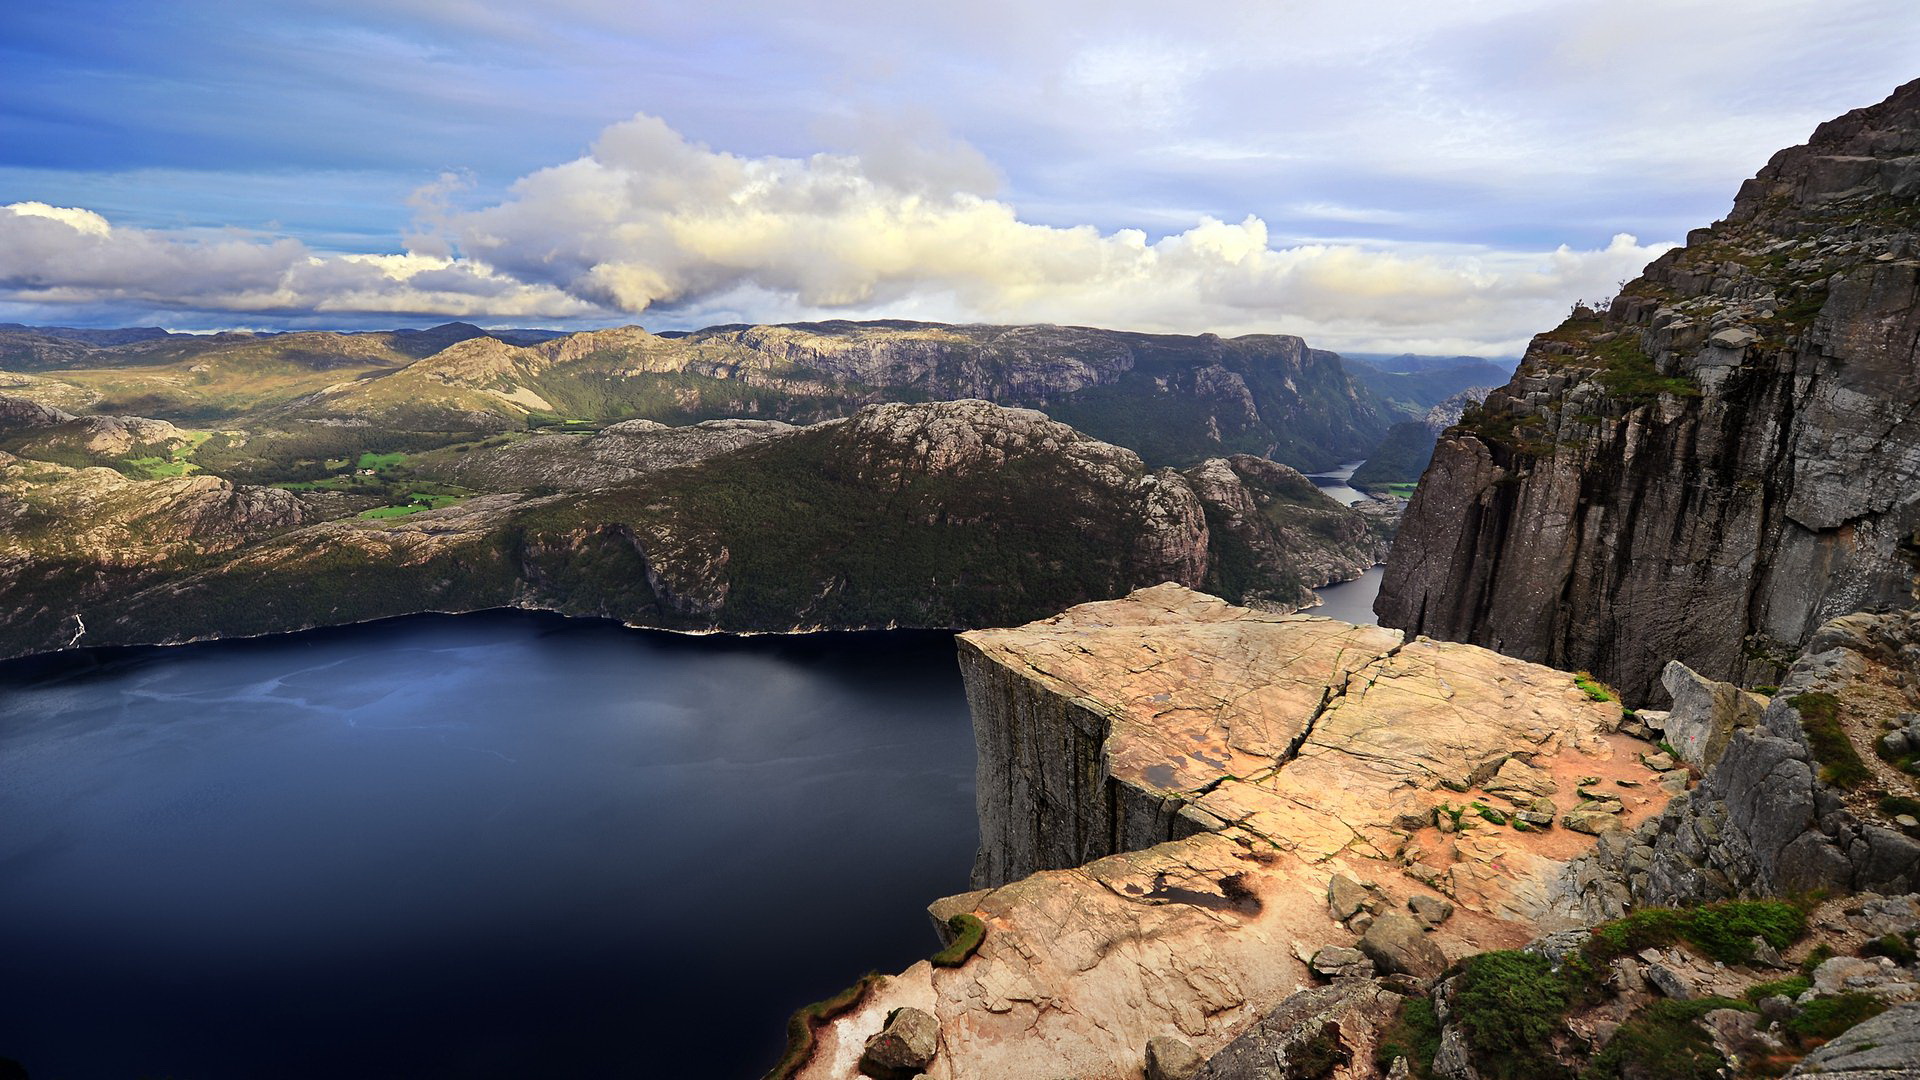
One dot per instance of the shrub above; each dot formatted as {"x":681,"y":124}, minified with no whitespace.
{"x":1414,"y":1035}
{"x":968,"y":933}
{"x":1724,"y":932}
{"x":1892,"y":946}
{"x":1820,"y":718}
{"x":1823,"y":1018}
{"x":1663,"y":1040}
{"x":1510,"y":1005}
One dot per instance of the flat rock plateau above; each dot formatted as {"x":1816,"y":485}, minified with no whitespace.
{"x":1182,"y":802}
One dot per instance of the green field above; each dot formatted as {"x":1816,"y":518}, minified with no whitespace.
{"x":176,"y":463}
{"x":416,"y":503}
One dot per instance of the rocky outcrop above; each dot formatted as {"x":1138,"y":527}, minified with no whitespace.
{"x":1177,"y":797}
{"x":1773,"y":815}
{"x":952,"y":514}
{"x":1715,"y":465}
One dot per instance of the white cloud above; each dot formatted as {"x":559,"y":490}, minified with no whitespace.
{"x":649,"y":225}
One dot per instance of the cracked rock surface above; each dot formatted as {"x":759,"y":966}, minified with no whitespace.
{"x":1169,"y":786}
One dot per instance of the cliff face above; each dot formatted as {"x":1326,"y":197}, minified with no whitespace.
{"x":954,"y":514}
{"x":1722,"y":460}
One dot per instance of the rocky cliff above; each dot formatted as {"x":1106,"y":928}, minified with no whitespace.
{"x":954,"y":514}
{"x":1815,"y":792}
{"x":1719,"y":462}
{"x":1191,"y":812}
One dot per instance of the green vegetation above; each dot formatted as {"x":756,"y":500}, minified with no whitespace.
{"x":1840,"y":763}
{"x":1823,"y":1018}
{"x":1892,"y":946}
{"x":1414,"y":1035}
{"x":1628,"y":372}
{"x":1399,"y":459}
{"x":1663,"y":1041}
{"x":1593,"y":688}
{"x":1792,"y":986}
{"x":968,"y":932}
{"x":1510,"y":1005}
{"x":415,"y":503}
{"x":1893,"y":805}
{"x":808,"y":1019}
{"x":1724,"y":932}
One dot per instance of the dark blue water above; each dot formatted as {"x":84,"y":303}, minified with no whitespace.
{"x":1351,"y":601}
{"x":489,"y":846}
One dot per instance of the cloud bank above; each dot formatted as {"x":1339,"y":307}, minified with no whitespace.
{"x":650,"y":226}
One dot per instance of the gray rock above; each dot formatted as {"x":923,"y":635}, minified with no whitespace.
{"x":1340,"y":962}
{"x":1346,"y":897}
{"x":1452,"y":1061}
{"x":1705,"y":713}
{"x":1398,"y":944}
{"x":905,"y":1045}
{"x":1169,"y":1058}
{"x":1670,"y":982}
{"x":1592,"y":821}
{"x":1315,"y":1020}
{"x":1430,"y":910}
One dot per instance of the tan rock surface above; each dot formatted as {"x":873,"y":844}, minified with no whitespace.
{"x":1291,"y":748}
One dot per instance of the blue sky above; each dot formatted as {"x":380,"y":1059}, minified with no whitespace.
{"x":1370,"y":175}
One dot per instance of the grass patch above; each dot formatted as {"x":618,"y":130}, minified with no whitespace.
{"x":968,"y":933}
{"x":377,"y":462}
{"x":1792,"y":986}
{"x":1628,"y":372}
{"x":1724,"y":932}
{"x":1593,"y":688}
{"x":1894,"y":805}
{"x":1414,"y":1035}
{"x":808,"y":1019}
{"x":1892,"y":946}
{"x":1840,"y":763}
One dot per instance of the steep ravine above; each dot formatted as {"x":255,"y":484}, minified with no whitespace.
{"x":1722,"y":460}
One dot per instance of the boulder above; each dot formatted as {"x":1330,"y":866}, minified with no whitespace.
{"x":1169,"y":1058}
{"x":1399,"y":945}
{"x":1519,"y":783}
{"x":1705,"y":713}
{"x":1340,"y":962}
{"x":905,"y":1046}
{"x":1430,"y":910}
{"x":1593,"y":822}
{"x":1345,"y":897}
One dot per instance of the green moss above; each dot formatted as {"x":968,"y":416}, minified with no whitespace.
{"x":1724,"y":932}
{"x":808,"y":1019}
{"x":1414,"y":1034}
{"x":1840,"y":763}
{"x":968,"y":933}
{"x":1892,"y":805}
{"x":1593,"y":688}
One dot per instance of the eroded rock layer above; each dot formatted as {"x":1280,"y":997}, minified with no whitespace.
{"x":1183,"y":803}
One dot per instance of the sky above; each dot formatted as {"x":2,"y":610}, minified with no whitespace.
{"x":1372,"y":176}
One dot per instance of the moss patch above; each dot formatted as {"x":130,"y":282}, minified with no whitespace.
{"x":1840,"y":763}
{"x":808,"y":1019}
{"x":968,"y":933}
{"x":1724,"y":932}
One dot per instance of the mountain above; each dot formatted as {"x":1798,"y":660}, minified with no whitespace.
{"x":1174,"y":399}
{"x":1404,"y":454}
{"x":951,"y":514}
{"x":1720,"y":461}
{"x":1412,"y":392}
{"x":1419,"y":362}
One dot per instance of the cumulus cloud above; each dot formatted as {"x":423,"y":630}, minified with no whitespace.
{"x":69,"y":256}
{"x":651,"y":226}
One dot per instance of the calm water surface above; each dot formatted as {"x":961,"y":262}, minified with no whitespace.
{"x":1334,"y":484}
{"x":490,"y":846}
{"x":1351,"y":601}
